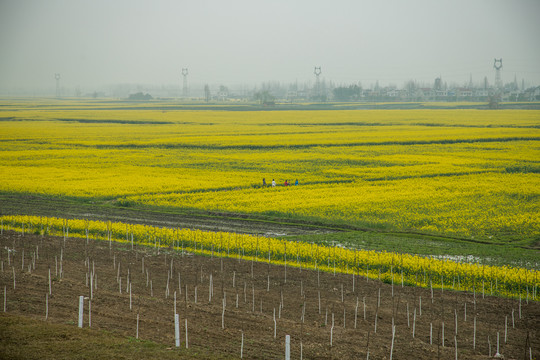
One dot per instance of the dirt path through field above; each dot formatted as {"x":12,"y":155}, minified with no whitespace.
{"x":21,"y":204}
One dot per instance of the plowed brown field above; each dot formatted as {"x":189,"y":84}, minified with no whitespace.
{"x":251,"y":293}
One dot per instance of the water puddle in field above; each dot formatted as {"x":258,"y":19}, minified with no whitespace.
{"x":273,"y":234}
{"x":471,"y":259}
{"x":461,"y":258}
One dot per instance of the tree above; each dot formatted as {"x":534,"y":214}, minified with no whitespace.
{"x":264,"y":97}
{"x":494,"y":101}
{"x":349,"y":93}
{"x":140,"y":96}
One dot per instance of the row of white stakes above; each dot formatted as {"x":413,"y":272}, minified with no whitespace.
{"x":177,"y":329}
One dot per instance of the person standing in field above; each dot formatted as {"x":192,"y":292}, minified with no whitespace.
{"x":264,"y":182}
{"x":273,"y":183}
{"x":296,"y":182}
{"x":285,"y":183}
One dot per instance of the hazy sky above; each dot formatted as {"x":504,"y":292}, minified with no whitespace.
{"x":99,"y":42}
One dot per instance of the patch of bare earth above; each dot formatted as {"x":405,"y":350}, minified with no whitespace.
{"x":336,"y":326}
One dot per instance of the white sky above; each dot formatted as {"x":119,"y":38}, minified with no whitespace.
{"x":100,"y":42}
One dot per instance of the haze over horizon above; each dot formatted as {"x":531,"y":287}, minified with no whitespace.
{"x":243,"y":43}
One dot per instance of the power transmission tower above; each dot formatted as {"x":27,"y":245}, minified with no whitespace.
{"x":57,"y":77}
{"x":185,"y":87}
{"x":497,"y":65}
{"x":317,"y":73}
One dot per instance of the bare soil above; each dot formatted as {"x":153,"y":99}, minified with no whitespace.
{"x":251,"y":293}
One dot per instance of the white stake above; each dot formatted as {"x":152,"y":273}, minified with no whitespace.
{"x":326,"y":316}
{"x":209,"y":289}
{"x":455,"y":342}
{"x":89,"y":313}
{"x":176,"y":329}
{"x":287,"y":347}
{"x":474,"y":333}
{"x":356,"y":312}
{"x":364,"y":303}
{"x":408,"y":317}
{"x":430,"y":333}
{"x":223,"y":315}
{"x":414,"y":323}
{"x":455,"y":312}
{"x":513,"y":323}
{"x":46,"y":306}
{"x":5,"y":298}
{"x":91,"y":287}
{"x":393,"y":336}
{"x":443,"y":334}
{"x":81,"y":309}
{"x":242,"y":346}
{"x":505,"y":328}
{"x":332,"y":330}
{"x":497,"y":354}
{"x":275,"y":325}
{"x":187,"y":346}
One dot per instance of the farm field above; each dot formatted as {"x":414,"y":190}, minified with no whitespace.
{"x":452,"y":186}
{"x":251,"y":292}
{"x":462,"y":173}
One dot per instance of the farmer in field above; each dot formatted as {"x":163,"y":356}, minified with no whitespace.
{"x":264,"y":182}
{"x":296,"y":182}
{"x":286,"y":183}
{"x":273,"y":183}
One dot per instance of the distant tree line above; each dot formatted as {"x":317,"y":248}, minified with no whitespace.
{"x":347,"y":93}
{"x":140,"y":96}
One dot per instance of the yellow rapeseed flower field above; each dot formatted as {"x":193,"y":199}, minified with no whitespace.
{"x":469,"y":173}
{"x":386,"y":266}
